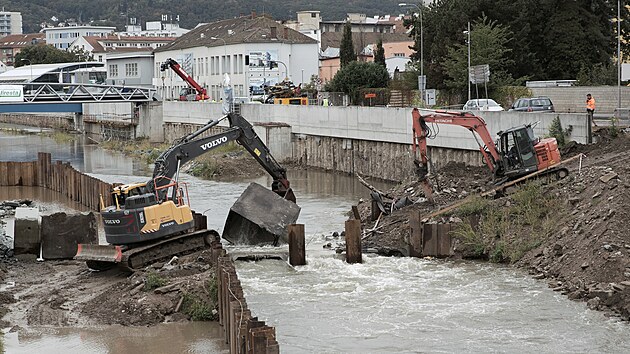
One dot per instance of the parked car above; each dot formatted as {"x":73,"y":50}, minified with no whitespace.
{"x":533,"y":104}
{"x":482,"y":104}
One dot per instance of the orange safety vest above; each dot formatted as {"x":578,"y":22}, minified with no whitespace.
{"x":590,"y":104}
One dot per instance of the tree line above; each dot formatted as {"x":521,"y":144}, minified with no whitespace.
{"x":520,"y":40}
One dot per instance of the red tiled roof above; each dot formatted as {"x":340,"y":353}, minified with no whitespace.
{"x":237,"y":30}
{"x":21,"y":40}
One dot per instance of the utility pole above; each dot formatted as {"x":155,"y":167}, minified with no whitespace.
{"x":468,"y":76}
{"x":618,"y":54}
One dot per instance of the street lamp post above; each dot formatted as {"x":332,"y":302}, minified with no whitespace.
{"x":468,"y":74}
{"x":421,"y":47}
{"x":618,"y":54}
{"x":286,"y":71}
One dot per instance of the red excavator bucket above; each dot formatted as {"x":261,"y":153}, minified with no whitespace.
{"x":260,"y":217}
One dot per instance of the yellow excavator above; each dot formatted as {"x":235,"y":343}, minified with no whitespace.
{"x":152,"y":221}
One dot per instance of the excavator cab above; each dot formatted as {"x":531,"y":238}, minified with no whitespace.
{"x":517,"y":147}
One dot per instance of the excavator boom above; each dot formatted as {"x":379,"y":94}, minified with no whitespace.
{"x":146,"y":218}
{"x":202,"y":94}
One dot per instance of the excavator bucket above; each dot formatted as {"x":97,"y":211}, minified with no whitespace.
{"x":101,"y":253}
{"x":260,"y":217}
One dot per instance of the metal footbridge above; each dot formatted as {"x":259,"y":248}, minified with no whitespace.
{"x":65,"y":97}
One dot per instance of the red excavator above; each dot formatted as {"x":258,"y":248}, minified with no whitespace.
{"x":517,"y":153}
{"x":152,"y":221}
{"x":193,"y":93}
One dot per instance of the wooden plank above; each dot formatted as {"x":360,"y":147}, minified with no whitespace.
{"x":444,"y":240}
{"x":4,"y":174}
{"x":355,"y":212}
{"x":353,"y":241}
{"x":415,"y":234}
{"x":297,"y":245}
{"x":429,"y":240}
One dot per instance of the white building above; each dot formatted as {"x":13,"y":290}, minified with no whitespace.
{"x":10,"y":23}
{"x":246,"y":48}
{"x":62,"y":37}
{"x":155,"y":29}
{"x":102,"y":47}
{"x":307,"y":23}
{"x":133,"y":68}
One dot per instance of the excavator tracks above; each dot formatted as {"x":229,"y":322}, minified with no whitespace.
{"x":139,"y":257}
{"x":164,"y":250}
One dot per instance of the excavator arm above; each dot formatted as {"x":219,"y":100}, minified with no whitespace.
{"x":476,"y":125}
{"x":174,"y":65}
{"x":191,"y":146}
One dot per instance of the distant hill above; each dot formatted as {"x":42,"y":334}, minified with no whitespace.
{"x":191,"y":12}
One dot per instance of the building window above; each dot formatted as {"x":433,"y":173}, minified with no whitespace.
{"x":113,"y":70}
{"x":206,"y":67}
{"x":131,"y":69}
{"x":313,"y":15}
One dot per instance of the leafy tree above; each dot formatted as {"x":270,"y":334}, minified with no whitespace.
{"x":346,"y":50}
{"x":598,"y":74}
{"x":47,"y":54}
{"x":357,"y":75}
{"x":379,"y":54}
{"x":488,"y":46}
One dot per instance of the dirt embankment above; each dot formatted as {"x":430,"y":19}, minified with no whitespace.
{"x":572,"y":232}
{"x":66,"y":293}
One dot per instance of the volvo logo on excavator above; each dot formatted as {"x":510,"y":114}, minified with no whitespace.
{"x":214,"y":143}
{"x":112,"y":221}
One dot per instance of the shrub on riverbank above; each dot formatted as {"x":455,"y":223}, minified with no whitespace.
{"x":509,"y":227}
{"x":139,"y":148}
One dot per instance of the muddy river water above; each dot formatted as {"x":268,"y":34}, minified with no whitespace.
{"x":383,"y":305}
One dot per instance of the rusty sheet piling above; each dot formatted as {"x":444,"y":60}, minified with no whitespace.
{"x":60,"y":177}
{"x":243,"y":332}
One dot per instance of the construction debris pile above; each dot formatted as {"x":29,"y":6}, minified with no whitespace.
{"x":577,"y":241}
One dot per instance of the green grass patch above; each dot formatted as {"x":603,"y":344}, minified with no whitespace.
{"x":197,"y":308}
{"x":509,"y":227}
{"x":61,"y":137}
{"x":154,"y":281}
{"x":141,"y":149}
{"x":213,"y":289}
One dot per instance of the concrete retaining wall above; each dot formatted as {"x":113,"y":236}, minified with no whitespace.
{"x":372,"y":141}
{"x":58,"y":121}
{"x":112,"y":110}
{"x":573,"y":99}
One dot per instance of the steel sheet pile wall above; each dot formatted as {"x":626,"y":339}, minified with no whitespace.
{"x":58,"y":121}
{"x":243,"y":332}
{"x":60,"y":177}
{"x":389,"y":161}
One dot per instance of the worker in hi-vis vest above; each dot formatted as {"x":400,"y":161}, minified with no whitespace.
{"x":590,"y":108}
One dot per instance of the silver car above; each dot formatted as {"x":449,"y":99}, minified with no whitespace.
{"x":482,"y":104}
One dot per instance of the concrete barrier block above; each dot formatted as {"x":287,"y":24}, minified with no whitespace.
{"x":26,"y":237}
{"x":61,"y":233}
